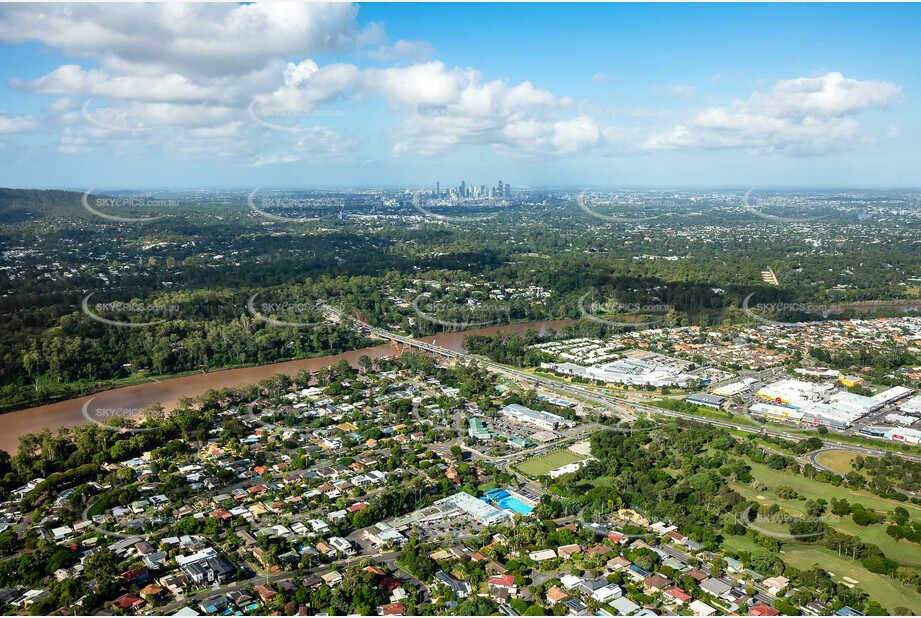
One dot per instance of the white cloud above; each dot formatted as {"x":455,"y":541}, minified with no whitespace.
{"x":214,"y":79}
{"x":414,"y":51}
{"x":192,"y":39}
{"x":441,"y":107}
{"x":829,"y":95}
{"x":798,"y":117}
{"x":74,"y":80}
{"x":17,"y":123}
{"x":62,"y":106}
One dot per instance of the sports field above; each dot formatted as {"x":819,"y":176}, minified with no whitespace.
{"x":542,"y":464}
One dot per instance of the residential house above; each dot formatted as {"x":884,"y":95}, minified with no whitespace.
{"x":624,"y":606}
{"x":655,"y":583}
{"x":775,"y":584}
{"x":699,"y":608}
{"x":680,"y":596}
{"x":129,"y":603}
{"x":502,"y":587}
{"x":556,"y":594}
{"x":542,"y":555}
{"x":715,"y":587}
{"x":575,"y":606}
{"x":206,"y":566}
{"x":567,"y":551}
{"x":391,"y":609}
{"x":618,"y":563}
{"x":461,"y":589}
{"x":152,"y":592}
{"x":265,"y":592}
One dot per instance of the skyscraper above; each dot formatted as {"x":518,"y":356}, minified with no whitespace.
{"x":437,"y":189}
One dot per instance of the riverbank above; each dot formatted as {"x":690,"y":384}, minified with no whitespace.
{"x":69,"y":412}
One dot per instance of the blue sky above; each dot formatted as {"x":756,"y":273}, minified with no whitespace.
{"x":685,"y":95}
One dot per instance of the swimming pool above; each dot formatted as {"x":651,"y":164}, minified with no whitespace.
{"x":514,"y":504}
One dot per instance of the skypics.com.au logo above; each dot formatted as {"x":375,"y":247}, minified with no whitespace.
{"x":746,"y":204}
{"x":460,"y":316}
{"x":109,"y":417}
{"x":804,"y":527}
{"x":282,"y":308}
{"x":817,"y":310}
{"x":590,"y":203}
{"x":144,"y":203}
{"x":614,"y":312}
{"x":774,"y":308}
{"x":133,"y":117}
{"x":121,"y":308}
{"x":278,"y":117}
{"x":281,"y":202}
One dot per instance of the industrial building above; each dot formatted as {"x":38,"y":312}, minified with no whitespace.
{"x":781,"y":414}
{"x":904,"y":434}
{"x":900,"y":419}
{"x":853,"y":406}
{"x":477,"y":430}
{"x":735,"y":388}
{"x":912,"y":406}
{"x":711,"y":401}
{"x":544,"y":420}
{"x":850,"y":381}
{"x":891,"y":395}
{"x":820,"y":404}
{"x":819,"y":372}
{"x":639,"y":372}
{"x":464,"y":503}
{"x":827,"y":415}
{"x":874,"y":431}
{"x":794,"y":393}
{"x":896,"y":434}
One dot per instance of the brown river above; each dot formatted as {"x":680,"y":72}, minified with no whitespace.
{"x":69,"y":413}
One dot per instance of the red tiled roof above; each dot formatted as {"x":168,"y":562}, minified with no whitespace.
{"x":679,"y":594}
{"x":128,"y":601}
{"x":392,"y":609}
{"x":502,"y":580}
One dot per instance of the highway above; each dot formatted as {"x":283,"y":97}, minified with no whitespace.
{"x":614,"y":404}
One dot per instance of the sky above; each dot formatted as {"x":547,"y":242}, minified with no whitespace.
{"x":291,"y":95}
